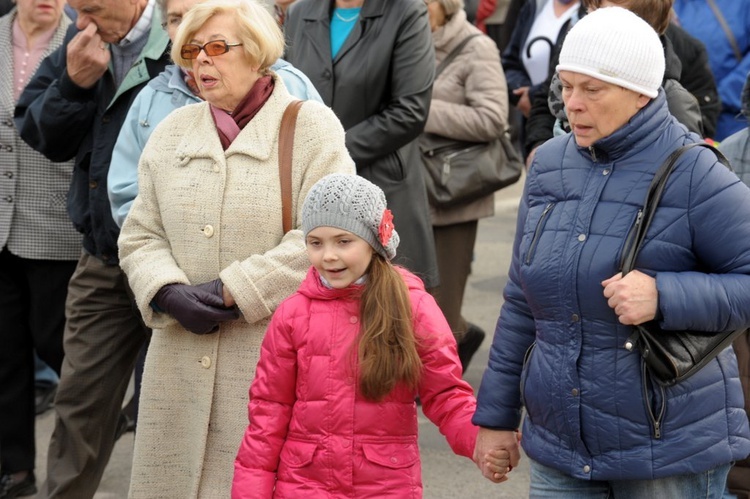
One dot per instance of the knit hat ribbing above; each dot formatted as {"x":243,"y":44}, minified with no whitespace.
{"x":354,"y":204}
{"x":614,"y":45}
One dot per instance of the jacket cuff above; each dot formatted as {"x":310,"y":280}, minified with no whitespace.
{"x":71,"y":91}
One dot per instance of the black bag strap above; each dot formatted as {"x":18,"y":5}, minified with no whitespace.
{"x":727,"y":29}
{"x":453,"y":54}
{"x":653,"y":196}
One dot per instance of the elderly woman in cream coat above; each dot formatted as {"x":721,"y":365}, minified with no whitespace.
{"x":204,"y":248}
{"x":470,"y":103}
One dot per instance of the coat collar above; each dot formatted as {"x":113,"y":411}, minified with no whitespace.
{"x":257,"y":140}
{"x":318,"y":28}
{"x":6,"y":52}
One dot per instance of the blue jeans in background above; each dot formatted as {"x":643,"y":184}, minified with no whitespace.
{"x":549,"y":483}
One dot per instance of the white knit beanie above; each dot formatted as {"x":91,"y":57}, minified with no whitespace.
{"x":354,"y":204}
{"x":614,"y":45}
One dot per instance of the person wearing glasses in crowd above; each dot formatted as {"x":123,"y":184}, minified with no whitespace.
{"x":204,"y":246}
{"x":171,"y":89}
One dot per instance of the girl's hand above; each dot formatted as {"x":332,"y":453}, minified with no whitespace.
{"x":497,"y":465}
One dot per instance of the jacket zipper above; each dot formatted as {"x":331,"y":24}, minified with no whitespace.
{"x":538,"y":231}
{"x":656,"y":419}
{"x":630,"y":235}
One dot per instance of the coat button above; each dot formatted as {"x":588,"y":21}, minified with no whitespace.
{"x":353,"y":319}
{"x":605,"y":172}
{"x":574,"y":318}
{"x":582,"y":237}
{"x":106,"y":118}
{"x":574,"y":391}
{"x":208,"y":231}
{"x":206,"y":362}
{"x":587,"y":469}
{"x":9,"y":174}
{"x":8,"y":199}
{"x":394,"y":459}
{"x":9,"y":148}
{"x":93,"y":184}
{"x":327,"y":74}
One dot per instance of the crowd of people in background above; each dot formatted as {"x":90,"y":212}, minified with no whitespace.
{"x":193,"y":188}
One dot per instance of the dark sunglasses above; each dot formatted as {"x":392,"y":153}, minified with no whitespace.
{"x":212,"y":48}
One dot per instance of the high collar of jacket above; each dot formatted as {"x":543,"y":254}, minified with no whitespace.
{"x":642,"y":129}
{"x":449,"y":35}
{"x":312,"y":288}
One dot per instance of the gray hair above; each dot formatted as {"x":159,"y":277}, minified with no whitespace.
{"x":451,"y":6}
{"x":162,"y":6}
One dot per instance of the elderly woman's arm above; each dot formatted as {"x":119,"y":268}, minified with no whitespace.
{"x":259,"y":283}
{"x":719,"y":298}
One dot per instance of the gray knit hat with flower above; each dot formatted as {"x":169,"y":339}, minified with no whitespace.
{"x":351,"y":203}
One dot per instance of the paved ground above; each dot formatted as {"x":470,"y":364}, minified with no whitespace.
{"x":445,"y":475}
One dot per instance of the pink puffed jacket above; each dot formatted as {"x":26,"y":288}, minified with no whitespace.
{"x":312,"y":435}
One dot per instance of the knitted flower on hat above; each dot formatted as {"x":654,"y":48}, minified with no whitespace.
{"x":354,"y":204}
{"x":616,"y":46}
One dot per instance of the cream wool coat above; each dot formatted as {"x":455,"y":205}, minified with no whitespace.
{"x":204,"y":213}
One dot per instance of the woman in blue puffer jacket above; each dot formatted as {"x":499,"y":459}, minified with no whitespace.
{"x":595,"y":425}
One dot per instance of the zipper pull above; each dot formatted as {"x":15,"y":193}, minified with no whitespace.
{"x":657,"y":429}
{"x":592,"y":151}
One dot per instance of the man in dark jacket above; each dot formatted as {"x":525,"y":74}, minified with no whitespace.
{"x":73,"y":108}
{"x":687,"y":70}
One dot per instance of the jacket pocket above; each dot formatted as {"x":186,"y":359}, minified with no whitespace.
{"x":525,"y":373}
{"x":538,"y":232}
{"x":391,"y":455}
{"x":297,"y":454}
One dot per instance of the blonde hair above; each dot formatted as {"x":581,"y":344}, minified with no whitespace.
{"x":260,"y":35}
{"x":387,"y":346}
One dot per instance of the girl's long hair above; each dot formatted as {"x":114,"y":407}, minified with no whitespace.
{"x":387,"y":344}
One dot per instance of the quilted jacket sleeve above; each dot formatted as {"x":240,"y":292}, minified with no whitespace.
{"x":447,"y":400}
{"x":499,"y":397}
{"x":718,"y":298}
{"x":272,"y":396}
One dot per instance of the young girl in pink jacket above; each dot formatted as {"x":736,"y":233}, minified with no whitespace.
{"x":332,"y":411}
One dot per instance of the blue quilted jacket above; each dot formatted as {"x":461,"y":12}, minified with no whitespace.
{"x":558,"y":347}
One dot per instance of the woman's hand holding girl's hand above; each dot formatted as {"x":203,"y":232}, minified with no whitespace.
{"x":496,"y":453}
{"x":634,"y":298}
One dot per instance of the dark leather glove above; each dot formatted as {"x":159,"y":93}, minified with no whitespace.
{"x":195,"y":309}
{"x":215,"y":287}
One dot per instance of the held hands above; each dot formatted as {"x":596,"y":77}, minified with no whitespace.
{"x":496,"y":453}
{"x":199,"y":309}
{"x":88,"y":57}
{"x":634,"y":298}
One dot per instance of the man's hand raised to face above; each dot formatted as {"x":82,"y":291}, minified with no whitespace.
{"x":88,"y":57}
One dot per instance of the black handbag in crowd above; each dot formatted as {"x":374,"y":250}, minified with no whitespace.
{"x":670,"y":356}
{"x":457,"y":172}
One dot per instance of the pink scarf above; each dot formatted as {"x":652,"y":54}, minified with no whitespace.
{"x":229,"y":126}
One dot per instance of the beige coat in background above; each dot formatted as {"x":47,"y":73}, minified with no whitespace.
{"x":204,"y":213}
{"x":469,"y":102}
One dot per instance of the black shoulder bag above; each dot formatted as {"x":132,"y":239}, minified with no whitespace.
{"x":456,"y":171}
{"x":670,"y":356}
